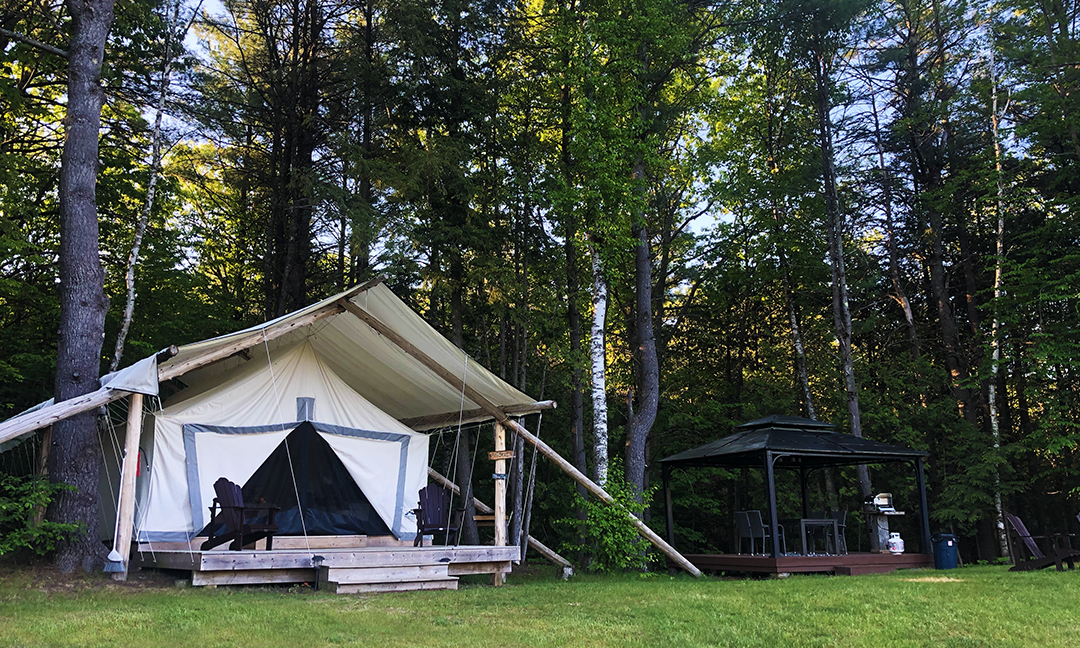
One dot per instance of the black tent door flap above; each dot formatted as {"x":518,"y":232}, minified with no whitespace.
{"x":316,"y":495}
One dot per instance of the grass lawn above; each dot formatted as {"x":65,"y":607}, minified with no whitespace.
{"x":977,"y":606}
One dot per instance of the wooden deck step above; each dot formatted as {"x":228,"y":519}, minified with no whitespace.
{"x":407,"y":586}
{"x":393,"y":578}
{"x":396,"y":573}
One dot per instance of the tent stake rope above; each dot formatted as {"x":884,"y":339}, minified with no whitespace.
{"x":288,"y":453}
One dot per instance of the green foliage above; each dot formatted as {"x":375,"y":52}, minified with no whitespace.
{"x":20,"y":499}
{"x":608,"y":536}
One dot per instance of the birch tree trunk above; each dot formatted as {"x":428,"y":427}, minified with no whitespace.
{"x":995,"y":326}
{"x":597,"y":351}
{"x":76,"y":455}
{"x":171,"y":34}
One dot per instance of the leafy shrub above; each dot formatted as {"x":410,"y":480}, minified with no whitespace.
{"x":20,"y":498}
{"x":610,"y":538}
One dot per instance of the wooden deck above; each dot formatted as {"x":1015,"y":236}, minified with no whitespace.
{"x":342,"y":569}
{"x":851,"y":564}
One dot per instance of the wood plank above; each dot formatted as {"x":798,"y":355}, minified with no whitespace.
{"x":253,"y":577}
{"x":369,"y":556}
{"x":499,"y":455}
{"x":642,"y":528}
{"x":856,"y":563}
{"x":396,"y":574}
{"x":501,"y":417}
{"x":125,"y":516}
{"x":50,"y":414}
{"x":103,"y":396}
{"x":466,"y":569}
{"x":255,"y":338}
{"x":374,"y":588}
{"x":446,"y":483}
{"x":549,"y":554}
{"x":432,"y":421}
{"x":168,"y":559}
{"x":540,"y":547}
{"x":500,"y":487}
{"x":289,"y":542}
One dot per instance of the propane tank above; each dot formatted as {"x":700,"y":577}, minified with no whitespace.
{"x":896,"y":543}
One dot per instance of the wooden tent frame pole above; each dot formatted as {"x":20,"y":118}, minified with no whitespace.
{"x":500,"y":487}
{"x":103,"y":396}
{"x":125,"y":522}
{"x":500,"y":416}
{"x":541,"y":548}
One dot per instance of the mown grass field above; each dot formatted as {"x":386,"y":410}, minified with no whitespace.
{"x":978,"y":606}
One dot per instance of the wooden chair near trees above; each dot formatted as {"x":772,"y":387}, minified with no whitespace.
{"x":434,"y":514}
{"x":234,"y":515}
{"x":1028,"y":555}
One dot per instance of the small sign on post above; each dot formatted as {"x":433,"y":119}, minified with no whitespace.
{"x":500,"y":455}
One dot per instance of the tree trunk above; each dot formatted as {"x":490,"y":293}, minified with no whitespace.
{"x":890,"y":235}
{"x":573,"y":281}
{"x":155,"y":170}
{"x":648,"y":374}
{"x":76,"y":454}
{"x":835,"y":229}
{"x":995,"y":326}
{"x":597,"y":353}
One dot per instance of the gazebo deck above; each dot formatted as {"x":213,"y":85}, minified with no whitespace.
{"x":343,"y":569}
{"x":851,"y":564}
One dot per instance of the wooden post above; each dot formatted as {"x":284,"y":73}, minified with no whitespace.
{"x":564,"y":565}
{"x":125,"y":516}
{"x":805,"y":493}
{"x":599,"y":492}
{"x":500,"y":487}
{"x":770,"y":496}
{"x":499,"y":415}
{"x":500,"y":497}
{"x":668,"y":508}
{"x":924,"y":512}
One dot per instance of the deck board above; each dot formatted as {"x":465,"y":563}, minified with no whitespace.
{"x":852,"y":563}
{"x":220,"y":566}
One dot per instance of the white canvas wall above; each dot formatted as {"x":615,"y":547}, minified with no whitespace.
{"x":230,"y":425}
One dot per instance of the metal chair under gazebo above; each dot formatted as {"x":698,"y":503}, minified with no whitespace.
{"x":799,"y":444}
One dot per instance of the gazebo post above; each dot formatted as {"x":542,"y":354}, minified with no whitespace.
{"x":920,"y":483}
{"x":667,"y":505}
{"x":770,"y":494}
{"x":805,"y":495}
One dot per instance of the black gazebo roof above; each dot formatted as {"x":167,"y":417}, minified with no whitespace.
{"x":795,"y":442}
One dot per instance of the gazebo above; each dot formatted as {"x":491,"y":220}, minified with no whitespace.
{"x":800,"y":444}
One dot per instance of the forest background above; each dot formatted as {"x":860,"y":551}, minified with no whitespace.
{"x":670,"y":216}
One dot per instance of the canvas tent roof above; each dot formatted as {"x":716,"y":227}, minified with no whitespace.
{"x":366,"y":359}
{"x":361,"y":332}
{"x":796,"y":441}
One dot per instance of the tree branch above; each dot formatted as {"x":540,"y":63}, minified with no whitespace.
{"x":22,"y":38}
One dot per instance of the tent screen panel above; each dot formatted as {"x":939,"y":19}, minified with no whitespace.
{"x":331,"y":502}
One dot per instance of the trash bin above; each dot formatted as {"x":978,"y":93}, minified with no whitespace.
{"x":945,"y":553}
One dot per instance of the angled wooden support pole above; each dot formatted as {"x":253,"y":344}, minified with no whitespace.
{"x":548,"y":553}
{"x":125,"y":516}
{"x":500,"y":416}
{"x":599,"y":492}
